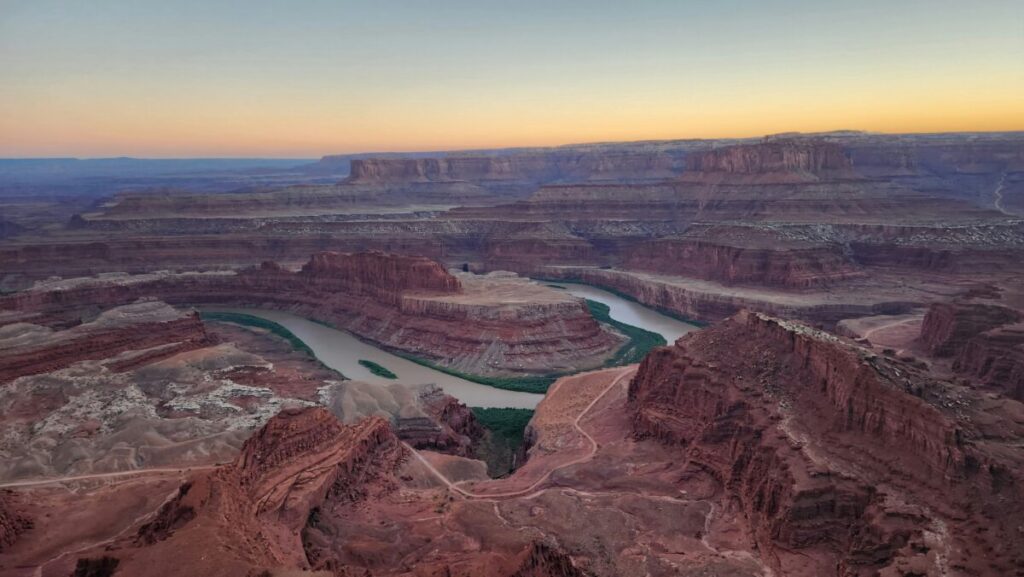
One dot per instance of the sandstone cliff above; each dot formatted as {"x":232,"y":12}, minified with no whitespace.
{"x":480,"y":324}
{"x":996,"y":358}
{"x":833,"y":451}
{"x":383,"y":277}
{"x":250,"y":515}
{"x":709,"y":301}
{"x":782,"y":160}
{"x":948,"y":326}
{"x":32,"y":349}
{"x":745,"y":255}
{"x":543,"y":560}
{"x":448,"y":425}
{"x":986,"y":342}
{"x":517,"y":168}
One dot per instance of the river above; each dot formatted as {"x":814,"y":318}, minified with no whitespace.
{"x":630,"y":312}
{"x":342,"y":351}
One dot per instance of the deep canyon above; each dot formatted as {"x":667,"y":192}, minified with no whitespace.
{"x":841,"y":389}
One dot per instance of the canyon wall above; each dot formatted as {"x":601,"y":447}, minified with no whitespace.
{"x":485,"y":325}
{"x":383,"y":277}
{"x":986,"y":341}
{"x":522,"y":168}
{"x":834,"y":451}
{"x":778,"y":160}
{"x":448,"y":425}
{"x":948,"y":326}
{"x":32,"y":349}
{"x":250,"y":514}
{"x":996,"y":358}
{"x":709,"y":302}
{"x":774,"y":262}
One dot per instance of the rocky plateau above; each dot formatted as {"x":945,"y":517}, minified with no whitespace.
{"x":853,"y":405}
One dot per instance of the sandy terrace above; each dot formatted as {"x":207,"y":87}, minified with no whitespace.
{"x":501,"y":288}
{"x":860,"y":291}
{"x":117,"y":278}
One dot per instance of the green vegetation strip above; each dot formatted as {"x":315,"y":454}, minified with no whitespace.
{"x":640,"y":342}
{"x":667,"y":312}
{"x":506,"y":432}
{"x":262,"y":323}
{"x":508,"y":424}
{"x":538,"y":384}
{"x":377,"y":369}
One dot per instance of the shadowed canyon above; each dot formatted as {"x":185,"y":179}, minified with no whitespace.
{"x":792,"y":355}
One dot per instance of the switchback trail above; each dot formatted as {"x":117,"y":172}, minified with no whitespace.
{"x":626,"y":372}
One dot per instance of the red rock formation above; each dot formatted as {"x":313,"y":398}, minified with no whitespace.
{"x":985,"y":340}
{"x":384,"y":277}
{"x":948,"y":326}
{"x":12,"y":521}
{"x":739,"y":255}
{"x":523,"y":168}
{"x":249,"y":515}
{"x":104,"y":566}
{"x":836,"y":452}
{"x":128,"y":208}
{"x":709,"y":302}
{"x":542,"y":560}
{"x":144,"y":325}
{"x":996,"y":358}
{"x":407,"y":304}
{"x":449,"y":425}
{"x":778,"y":160}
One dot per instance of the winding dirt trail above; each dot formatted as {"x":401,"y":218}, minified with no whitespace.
{"x":998,"y":196}
{"x":131,"y":473}
{"x":626,"y":372}
{"x":867,"y":334}
{"x":144,"y":517}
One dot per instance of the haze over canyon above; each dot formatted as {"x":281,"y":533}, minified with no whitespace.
{"x":511,"y":289}
{"x":497,"y":384}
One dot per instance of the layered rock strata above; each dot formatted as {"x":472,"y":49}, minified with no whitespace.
{"x":446,"y":425}
{"x":778,"y":160}
{"x":745,"y":255}
{"x":32,"y":349}
{"x":710,"y":301}
{"x":497,"y":324}
{"x":515,"y":168}
{"x":250,"y":515}
{"x":996,"y":358}
{"x":986,"y":341}
{"x":868,"y":465}
{"x":948,"y":326}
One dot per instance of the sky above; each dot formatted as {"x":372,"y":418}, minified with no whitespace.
{"x":304,"y":78}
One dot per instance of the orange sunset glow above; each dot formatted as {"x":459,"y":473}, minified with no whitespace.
{"x":127,"y":79}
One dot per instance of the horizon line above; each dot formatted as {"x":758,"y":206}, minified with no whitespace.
{"x":521,"y":147}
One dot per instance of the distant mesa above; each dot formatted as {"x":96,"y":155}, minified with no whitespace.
{"x":775,"y":160}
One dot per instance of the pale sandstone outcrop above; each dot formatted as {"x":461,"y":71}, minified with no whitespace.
{"x":31,"y":349}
